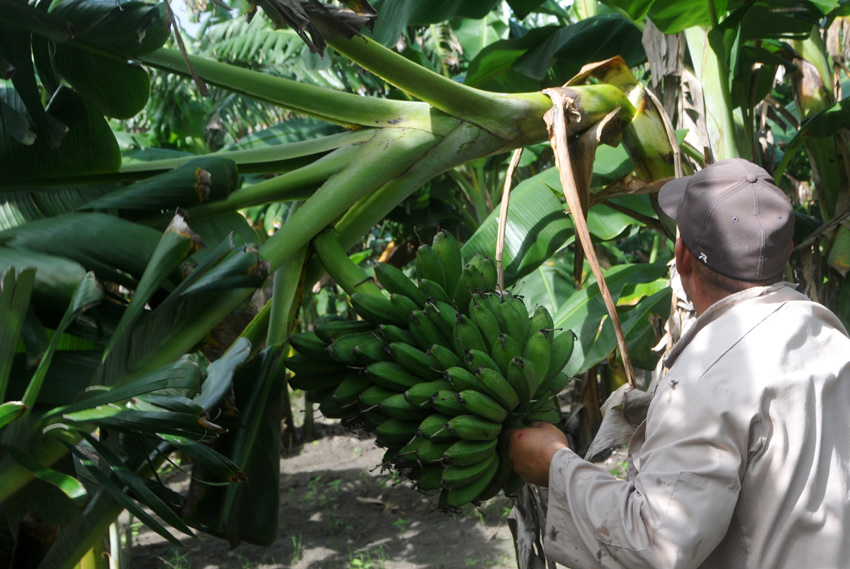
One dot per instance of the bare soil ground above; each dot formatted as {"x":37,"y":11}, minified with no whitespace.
{"x":339,"y":511}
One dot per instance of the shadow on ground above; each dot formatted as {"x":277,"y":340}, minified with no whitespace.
{"x":338,"y":510}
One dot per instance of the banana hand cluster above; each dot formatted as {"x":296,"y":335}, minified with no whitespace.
{"x":436,"y":369}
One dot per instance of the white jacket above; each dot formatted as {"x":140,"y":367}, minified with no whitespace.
{"x":743,"y":461}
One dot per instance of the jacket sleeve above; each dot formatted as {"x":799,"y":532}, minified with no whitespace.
{"x":677,"y":505}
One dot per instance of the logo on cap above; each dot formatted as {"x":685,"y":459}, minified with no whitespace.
{"x":703,"y":257}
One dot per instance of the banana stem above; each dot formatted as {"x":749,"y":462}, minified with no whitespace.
{"x":295,"y":185}
{"x":394,"y":149}
{"x":498,"y":113}
{"x":340,"y":266}
{"x":264,"y":160}
{"x":336,"y":107}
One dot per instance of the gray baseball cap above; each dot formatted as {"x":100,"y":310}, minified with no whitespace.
{"x":733,"y":218}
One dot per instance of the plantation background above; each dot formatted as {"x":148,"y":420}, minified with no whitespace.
{"x":149,"y":190}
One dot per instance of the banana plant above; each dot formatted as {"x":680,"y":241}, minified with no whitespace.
{"x":82,"y":214}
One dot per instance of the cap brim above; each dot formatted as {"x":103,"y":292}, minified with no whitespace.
{"x":672,"y":194}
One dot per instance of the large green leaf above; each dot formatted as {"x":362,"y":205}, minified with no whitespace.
{"x":116,"y":88}
{"x":395,"y":15}
{"x":183,"y":376}
{"x":537,"y":227}
{"x":15,"y":291}
{"x":88,"y":148}
{"x":593,"y":39}
{"x":248,"y":511}
{"x":69,"y":485}
{"x":87,"y":294}
{"x":584,"y":311}
{"x":129,"y":29}
{"x":80,"y":237}
{"x":641,"y":326}
{"x":55,"y":277}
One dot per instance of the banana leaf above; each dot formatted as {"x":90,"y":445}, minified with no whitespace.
{"x":176,"y":244}
{"x":69,"y":485}
{"x":247,"y":511}
{"x":584,"y":311}
{"x":79,"y":236}
{"x":192,"y":183}
{"x":88,"y":148}
{"x":15,"y":291}
{"x":642,"y":327}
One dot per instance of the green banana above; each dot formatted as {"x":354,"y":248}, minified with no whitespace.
{"x":455,"y":476}
{"x":371,"y":397}
{"x":397,"y":406}
{"x":466,"y":336}
{"x":491,"y":301}
{"x":427,"y":478}
{"x":484,"y":406}
{"x":332,"y":410}
{"x":485,"y":321}
{"x":442,"y":319}
{"x":317,"y":395}
{"x":553,"y":385}
{"x":494,"y":384}
{"x":372,"y":418}
{"x":465,"y":453}
{"x":429,"y":266}
{"x":424,"y":330}
{"x":395,"y":281}
{"x":476,"y":359}
{"x":371,"y":350}
{"x":504,"y":349}
{"x":300,"y":364}
{"x":562,"y":349}
{"x":433,"y":451}
{"x":410,"y":451}
{"x":421,"y":393}
{"x":446,"y":402}
{"x":350,"y":388}
{"x":391,"y":333}
{"x":330,"y":330}
{"x":392,"y":376}
{"x":466,"y":494}
{"x":552,"y":416}
{"x":444,"y":357}
{"x":414,"y":360}
{"x":541,"y":319}
{"x":515,"y":316}
{"x":514,"y":483}
{"x":471,"y":280}
{"x":461,"y":378}
{"x":403,"y":307}
{"x":342,"y":349}
{"x":448,"y":249}
{"x":308,"y":344}
{"x":523,"y":377}
{"x":538,"y":350}
{"x":434,"y":291}
{"x":472,"y":428}
{"x":501,"y":477}
{"x":487,"y":267}
{"x":396,"y":431}
{"x":435,"y":427}
{"x":375,"y":309}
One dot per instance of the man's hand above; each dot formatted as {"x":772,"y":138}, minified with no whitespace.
{"x":532,"y":449}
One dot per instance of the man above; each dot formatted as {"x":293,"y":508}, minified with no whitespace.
{"x":743,"y":461}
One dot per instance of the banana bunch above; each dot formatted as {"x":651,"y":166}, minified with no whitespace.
{"x":436,"y":369}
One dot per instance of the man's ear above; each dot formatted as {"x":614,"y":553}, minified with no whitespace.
{"x":684,"y":259}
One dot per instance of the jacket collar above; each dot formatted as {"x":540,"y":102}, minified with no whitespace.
{"x":723,"y":306}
